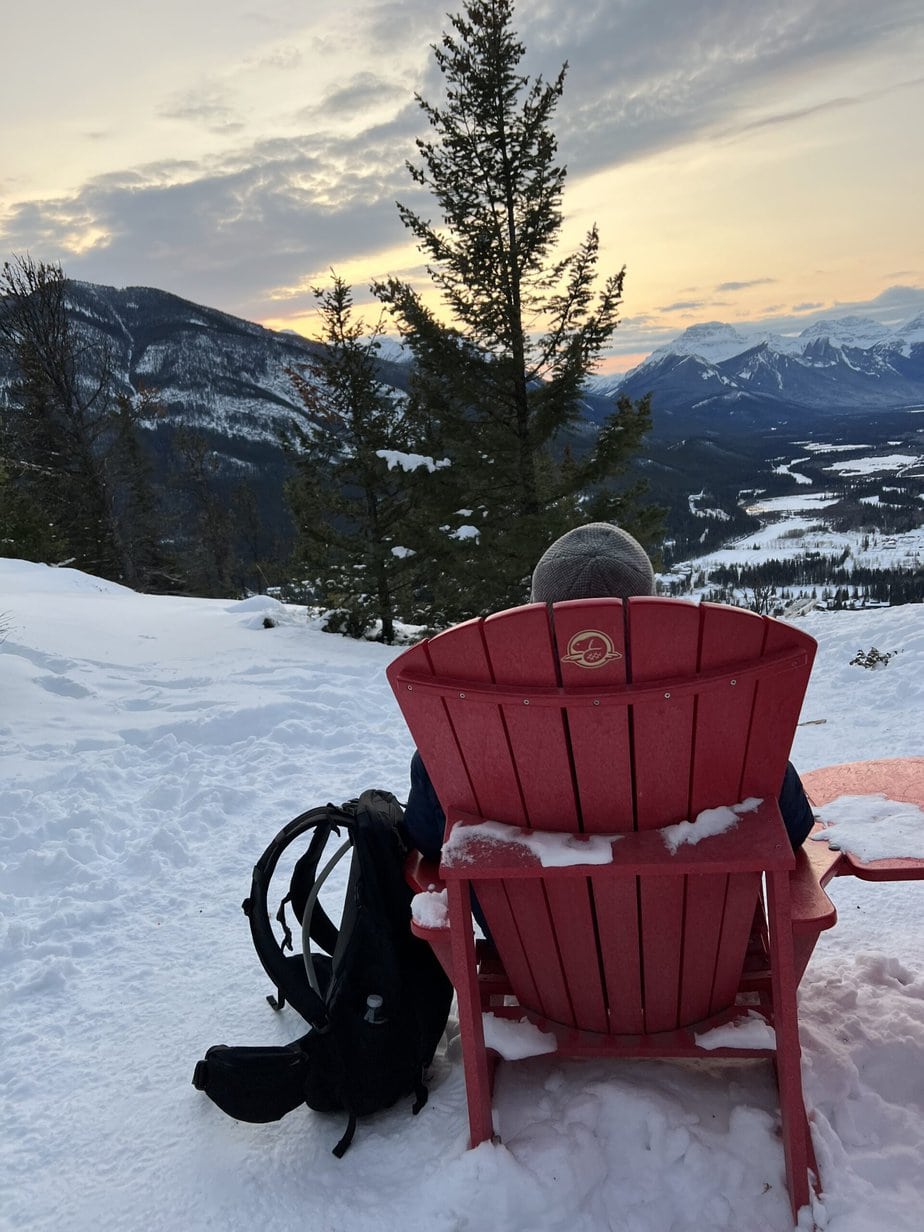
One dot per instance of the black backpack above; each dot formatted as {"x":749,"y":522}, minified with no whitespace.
{"x":377,"y":999}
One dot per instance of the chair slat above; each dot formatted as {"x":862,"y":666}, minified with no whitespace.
{"x":521,"y":650}
{"x":505,"y":930}
{"x":479,"y":729}
{"x":740,"y":901}
{"x":616,"y":904}
{"x":570,"y":905}
{"x":704,"y":912}
{"x":429,"y":722}
{"x":777,"y":703}
{"x":590,"y":642}
{"x":663,"y":642}
{"x":530,"y":909}
{"x":729,"y":636}
{"x":663,"y":637}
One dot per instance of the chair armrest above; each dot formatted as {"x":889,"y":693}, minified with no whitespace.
{"x":421,"y":874}
{"x":757,"y":843}
{"x":812,"y":911}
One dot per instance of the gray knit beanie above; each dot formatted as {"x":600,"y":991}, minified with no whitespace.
{"x":596,"y":561}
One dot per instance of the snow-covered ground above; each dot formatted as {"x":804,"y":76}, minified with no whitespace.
{"x":150,"y":749}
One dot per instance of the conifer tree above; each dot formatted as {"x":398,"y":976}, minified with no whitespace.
{"x":353,"y":491}
{"x":498,"y":388}
{"x":76,"y":481}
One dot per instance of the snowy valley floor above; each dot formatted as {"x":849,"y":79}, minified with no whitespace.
{"x":150,"y":748}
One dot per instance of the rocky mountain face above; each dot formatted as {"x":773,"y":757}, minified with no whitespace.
{"x":712,"y":375}
{"x":207,"y":369}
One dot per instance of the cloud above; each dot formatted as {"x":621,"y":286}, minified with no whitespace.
{"x":741,"y":286}
{"x":360,"y":94}
{"x":683,"y":305}
{"x":806,"y":307}
{"x":236,"y":232}
{"x":706,"y":59}
{"x":285,"y":58}
{"x":831,"y":104}
{"x":208,"y":105}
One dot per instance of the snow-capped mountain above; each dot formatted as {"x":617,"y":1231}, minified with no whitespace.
{"x":835,"y":365}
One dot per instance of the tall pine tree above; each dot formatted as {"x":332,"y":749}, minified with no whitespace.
{"x":498,"y":389}
{"x":354,"y":492}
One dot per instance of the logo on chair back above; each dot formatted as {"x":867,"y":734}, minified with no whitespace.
{"x":590,"y":648}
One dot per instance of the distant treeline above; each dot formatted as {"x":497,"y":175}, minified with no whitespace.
{"x":824,"y":577}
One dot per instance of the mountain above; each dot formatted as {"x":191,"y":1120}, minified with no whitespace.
{"x":712,"y":375}
{"x":207,"y":368}
{"x":226,"y":377}
{"x":726,"y":405}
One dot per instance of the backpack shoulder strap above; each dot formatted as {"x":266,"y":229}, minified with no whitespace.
{"x":298,"y":992}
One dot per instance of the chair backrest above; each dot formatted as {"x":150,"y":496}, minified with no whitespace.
{"x":601,"y":716}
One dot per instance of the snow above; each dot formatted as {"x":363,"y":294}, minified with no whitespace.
{"x":795,"y":528}
{"x":706,"y":824}
{"x":752,"y":1031}
{"x":151,"y":748}
{"x":410,"y":461}
{"x":551,"y":850}
{"x":430,"y":909}
{"x":873,"y":827}
{"x":515,"y":1039}
{"x":894,"y":463}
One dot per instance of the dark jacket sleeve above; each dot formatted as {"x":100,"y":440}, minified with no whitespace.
{"x":795,"y":807}
{"x":423,"y":816}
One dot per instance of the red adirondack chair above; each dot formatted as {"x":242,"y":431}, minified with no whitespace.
{"x":604,"y":717}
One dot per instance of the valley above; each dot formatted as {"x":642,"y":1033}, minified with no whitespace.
{"x":833,"y":515}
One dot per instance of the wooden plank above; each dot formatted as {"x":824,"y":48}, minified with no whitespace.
{"x":570,"y":906}
{"x":663,"y":641}
{"x":704,"y":911}
{"x":505,"y":932}
{"x":521,"y":650}
{"x":480,"y":734}
{"x":590,"y":644}
{"x":740,"y":901}
{"x":753,"y":844}
{"x":530,"y":910}
{"x":616,"y":907}
{"x":729,"y":636}
{"x":777,"y":704}
{"x":433,"y":733}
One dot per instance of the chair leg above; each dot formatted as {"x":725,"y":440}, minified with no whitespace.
{"x":478,"y":1072}
{"x":788,"y":1049}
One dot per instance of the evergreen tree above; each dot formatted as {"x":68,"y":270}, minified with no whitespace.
{"x":70,"y":439}
{"x":498,"y":389}
{"x":356,"y":477}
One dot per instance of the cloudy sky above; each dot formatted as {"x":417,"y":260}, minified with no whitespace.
{"x":748,"y":162}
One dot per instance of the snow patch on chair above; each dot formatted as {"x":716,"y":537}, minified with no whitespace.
{"x":430,"y":909}
{"x":752,"y":1031}
{"x":707,"y":823}
{"x":872,"y":827}
{"x":515,"y":1039}
{"x":552,"y":849}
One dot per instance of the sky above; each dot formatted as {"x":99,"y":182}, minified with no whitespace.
{"x":759,"y":164}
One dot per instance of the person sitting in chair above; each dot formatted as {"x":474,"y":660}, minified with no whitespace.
{"x":596,"y":561}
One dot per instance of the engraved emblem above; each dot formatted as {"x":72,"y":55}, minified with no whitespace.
{"x":590,"y":648}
